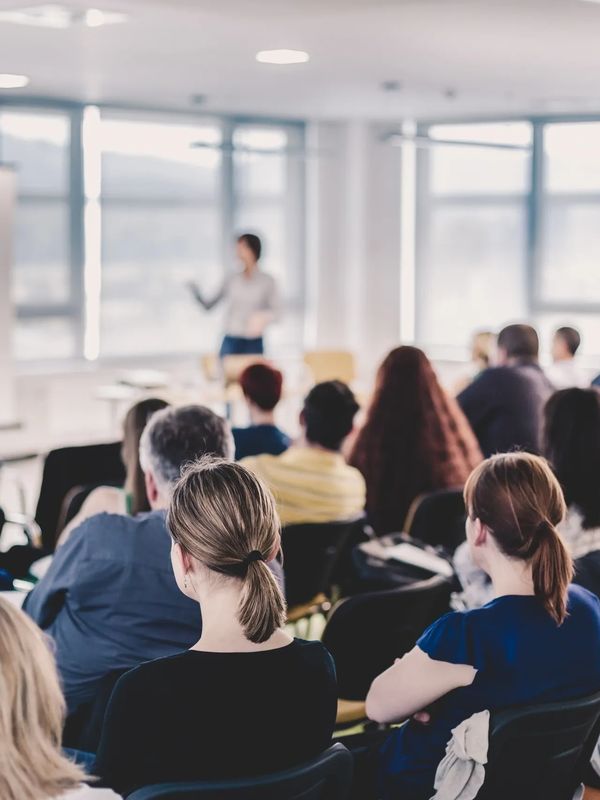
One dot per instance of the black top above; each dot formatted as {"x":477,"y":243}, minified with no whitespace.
{"x":504,"y":406}
{"x":210,"y":716}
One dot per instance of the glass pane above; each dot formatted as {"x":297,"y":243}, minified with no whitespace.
{"x":572,"y":153}
{"x":149,"y":254}
{"x":44,"y":338}
{"x":472,"y":273}
{"x":41,"y":253}
{"x":154,"y":160}
{"x":461,"y":169}
{"x":38,"y":144}
{"x":571,"y":271}
{"x":260,"y":161}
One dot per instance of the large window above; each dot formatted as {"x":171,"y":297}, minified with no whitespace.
{"x":117,"y":212}
{"x":38,"y":145}
{"x":472,"y":230}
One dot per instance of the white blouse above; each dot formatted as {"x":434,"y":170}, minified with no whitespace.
{"x":85,"y":792}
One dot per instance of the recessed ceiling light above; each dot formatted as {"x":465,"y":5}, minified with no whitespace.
{"x":8,"y":81}
{"x":282,"y":57}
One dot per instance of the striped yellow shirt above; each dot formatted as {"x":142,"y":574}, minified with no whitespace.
{"x":311,"y":485}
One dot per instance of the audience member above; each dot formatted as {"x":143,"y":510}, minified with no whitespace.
{"x":109,"y":599}
{"x":538,"y":640}
{"x":262,"y":386}
{"x":565,"y":371}
{"x":415,"y":439}
{"x":132,"y":498}
{"x":572,"y":433}
{"x":482,"y":351}
{"x":311,"y":481}
{"x":32,"y":764}
{"x":504,"y":404}
{"x":246,"y":699}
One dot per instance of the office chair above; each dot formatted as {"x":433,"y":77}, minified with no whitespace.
{"x":438,"y":519}
{"x":327,"y":777}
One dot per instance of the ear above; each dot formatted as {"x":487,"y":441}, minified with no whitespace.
{"x":151,"y":488}
{"x":481,"y":533}
{"x":181,"y":558}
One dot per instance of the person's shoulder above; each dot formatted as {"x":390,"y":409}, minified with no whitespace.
{"x":107,"y":499}
{"x":153,"y":672}
{"x":258,"y":464}
{"x":580,"y":600}
{"x":315,"y":654}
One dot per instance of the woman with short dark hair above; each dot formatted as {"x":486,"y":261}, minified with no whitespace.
{"x":251,"y":301}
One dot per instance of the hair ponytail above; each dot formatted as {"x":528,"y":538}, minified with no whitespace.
{"x":552,"y":571}
{"x":262,"y":607}
{"x":225,"y":518}
{"x":518,"y":498}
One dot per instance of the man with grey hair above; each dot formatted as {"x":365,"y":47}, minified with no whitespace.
{"x":109,"y":599}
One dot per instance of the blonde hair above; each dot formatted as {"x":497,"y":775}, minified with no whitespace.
{"x":225,"y":517}
{"x":519,"y":499}
{"x":32,"y":708}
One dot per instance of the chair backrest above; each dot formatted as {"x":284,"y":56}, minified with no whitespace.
{"x":331,"y":365}
{"x":327,"y":777}
{"x":312,"y":553}
{"x":541,"y":751}
{"x":438,"y":518}
{"x":587,"y":572}
{"x":67,"y":467}
{"x":367,"y":632}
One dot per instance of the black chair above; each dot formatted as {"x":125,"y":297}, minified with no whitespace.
{"x":83,"y":727}
{"x":438,"y":519}
{"x":541,"y":751}
{"x":98,"y":464}
{"x":315,"y":555}
{"x":327,"y":777}
{"x":587,"y":572}
{"x":367,"y":632}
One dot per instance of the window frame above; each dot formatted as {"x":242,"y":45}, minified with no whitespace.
{"x":75,"y":309}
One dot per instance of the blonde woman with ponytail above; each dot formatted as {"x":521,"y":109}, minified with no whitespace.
{"x":246,"y":699}
{"x":32,"y":765}
{"x":538,"y":640}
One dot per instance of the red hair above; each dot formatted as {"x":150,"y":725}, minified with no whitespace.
{"x":262,"y":385}
{"x":416,"y":439}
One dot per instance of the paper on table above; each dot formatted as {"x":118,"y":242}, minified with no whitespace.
{"x":416,"y":557}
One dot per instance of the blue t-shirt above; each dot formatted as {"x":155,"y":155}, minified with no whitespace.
{"x":259,"y":439}
{"x":521,"y":656}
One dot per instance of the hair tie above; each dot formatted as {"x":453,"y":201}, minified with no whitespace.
{"x":255,"y":555}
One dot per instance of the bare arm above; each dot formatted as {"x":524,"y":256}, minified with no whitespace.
{"x":103,"y":499}
{"x":412,"y":684}
{"x":199,"y":297}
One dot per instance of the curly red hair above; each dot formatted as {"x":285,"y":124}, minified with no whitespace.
{"x":415,"y":439}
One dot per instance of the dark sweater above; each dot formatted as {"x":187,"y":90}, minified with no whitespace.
{"x":203,"y":715}
{"x":504,"y":406}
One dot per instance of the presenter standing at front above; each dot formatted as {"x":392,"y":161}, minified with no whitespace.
{"x":251,"y":301}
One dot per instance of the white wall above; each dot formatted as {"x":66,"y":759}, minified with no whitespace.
{"x":353,"y":239}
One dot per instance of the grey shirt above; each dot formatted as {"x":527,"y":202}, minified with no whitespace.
{"x":244,"y":296}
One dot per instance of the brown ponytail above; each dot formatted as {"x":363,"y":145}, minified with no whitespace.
{"x":517,"y":497}
{"x":224,"y":517}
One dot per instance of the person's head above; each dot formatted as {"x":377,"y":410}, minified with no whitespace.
{"x":32,"y":711}
{"x":482,"y":348}
{"x":517,"y":343}
{"x":262,"y":386}
{"x":248,"y":248}
{"x":135,"y":421}
{"x":572,"y":445}
{"x":415,"y":438}
{"x":225,"y":529}
{"x":514,"y":503}
{"x":565,"y":343}
{"x":173,"y":438}
{"x":328,"y":414}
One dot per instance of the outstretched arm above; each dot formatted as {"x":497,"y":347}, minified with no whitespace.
{"x":206,"y":304}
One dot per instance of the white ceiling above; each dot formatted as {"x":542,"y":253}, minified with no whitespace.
{"x":452,"y":57}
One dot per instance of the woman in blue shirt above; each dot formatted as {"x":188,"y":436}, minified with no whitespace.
{"x":537,"y":641}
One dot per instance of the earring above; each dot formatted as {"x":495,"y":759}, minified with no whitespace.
{"x":185,"y":581}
